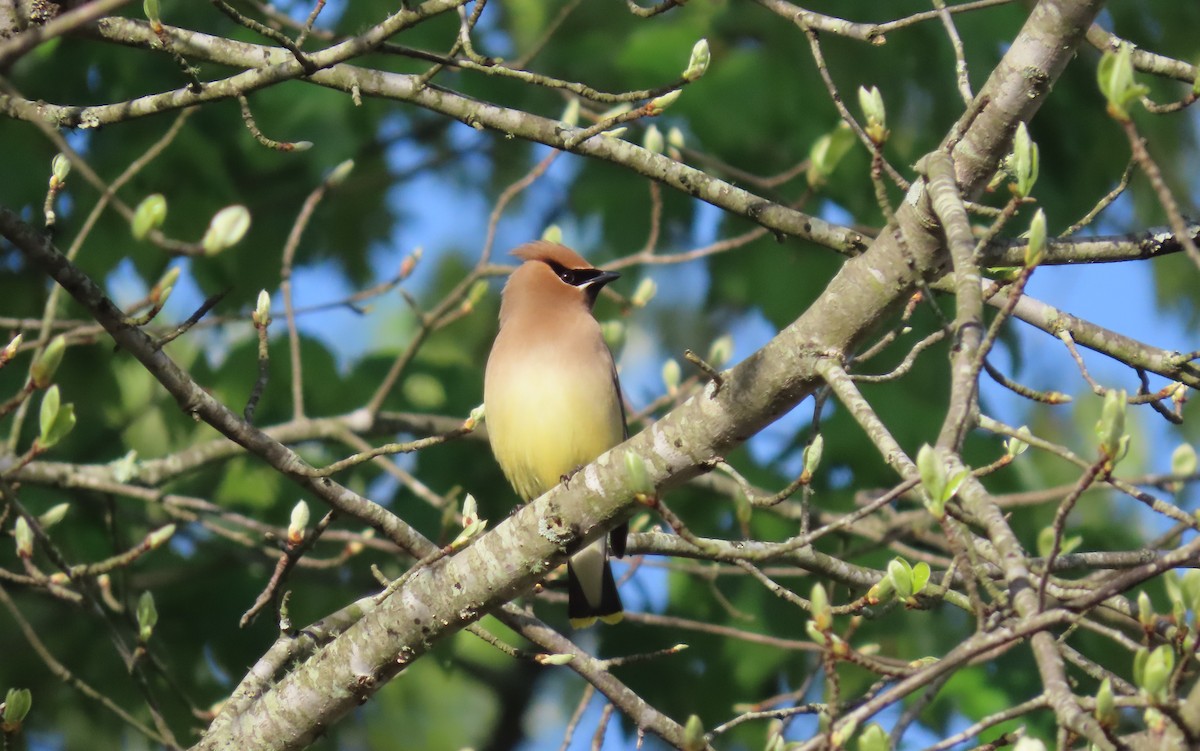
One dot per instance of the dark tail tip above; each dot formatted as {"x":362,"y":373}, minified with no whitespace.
{"x":582,"y":612}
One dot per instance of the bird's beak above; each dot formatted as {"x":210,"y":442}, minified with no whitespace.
{"x":603,"y":278}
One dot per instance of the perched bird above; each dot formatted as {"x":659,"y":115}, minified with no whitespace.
{"x":552,"y":400}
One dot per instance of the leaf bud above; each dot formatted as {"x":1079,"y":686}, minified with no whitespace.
{"x":147,"y":616}
{"x":653,"y":140}
{"x":228,"y":226}
{"x":149,"y":215}
{"x":298,"y":523}
{"x":24,"y":538}
{"x":262,"y":310}
{"x":44,"y":368}
{"x":698,"y":62}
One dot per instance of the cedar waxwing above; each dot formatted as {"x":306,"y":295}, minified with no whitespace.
{"x":552,"y":400}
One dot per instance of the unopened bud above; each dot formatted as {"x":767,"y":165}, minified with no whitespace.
{"x":1035,"y":251}
{"x":24,"y":538}
{"x":698,"y":62}
{"x":17,"y":704}
{"x":720,"y":350}
{"x":653,"y":140}
{"x":671,"y":375}
{"x":644,"y":293}
{"x":43,"y":370}
{"x":339,"y":173}
{"x":660,"y":103}
{"x":159,"y":537}
{"x":871,"y":102}
{"x":553,"y":234}
{"x":10,"y":349}
{"x":262,"y":309}
{"x":54,"y":515}
{"x":570,"y":115}
{"x":1025,"y":161}
{"x":149,"y":215}
{"x":60,"y":167}
{"x":228,"y":226}
{"x":298,"y":523}
{"x":147,"y":616}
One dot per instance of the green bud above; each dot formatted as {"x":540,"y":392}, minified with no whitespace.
{"x":570,"y":115}
{"x":693,"y":734}
{"x":1024,"y":162}
{"x":554,"y":659}
{"x":125,"y":468}
{"x":228,"y":226}
{"x":477,"y":415}
{"x":262,"y":309}
{"x":821,"y":612}
{"x":1146,"y":615}
{"x":1183,"y":460}
{"x":475,"y":294}
{"x":871,"y":102}
{"x":1155,"y":721}
{"x":812,"y":454}
{"x":653,"y":140}
{"x":639,"y":475}
{"x":472,"y":524}
{"x":54,"y":515}
{"x":149,"y":215}
{"x":10,"y":350}
{"x":1190,"y":584}
{"x":1015,"y":446}
{"x":933,"y":479}
{"x":60,"y":167}
{"x":1106,"y":704}
{"x":43,"y":370}
{"x":298,"y":522}
{"x":147,"y":616}
{"x":1156,"y":673}
{"x":614,"y":334}
{"x":1110,"y":428}
{"x":720,"y":350}
{"x":644,"y":293}
{"x":874,"y":738}
{"x":49,"y":411}
{"x":470,"y":510}
{"x":553,"y":234}
{"x":159,"y":537}
{"x":900,"y":573}
{"x":671,"y":375}
{"x":55,"y":420}
{"x":1035,"y":251}
{"x":826,"y":152}
{"x":24,"y":537}
{"x":660,"y":103}
{"x":1115,"y":76}
{"x":17,"y":704}
{"x":920,"y":577}
{"x":150,"y":8}
{"x":338,"y":174}
{"x":675,"y":137}
{"x":698,"y":62}
{"x":168,"y":281}
{"x":843,"y":733}
{"x":881,"y":592}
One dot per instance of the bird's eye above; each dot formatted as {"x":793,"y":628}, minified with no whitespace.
{"x":567,"y":276}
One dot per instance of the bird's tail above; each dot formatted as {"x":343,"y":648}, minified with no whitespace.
{"x":592,"y":591}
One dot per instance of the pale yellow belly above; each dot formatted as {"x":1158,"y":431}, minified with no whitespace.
{"x":544,"y":424}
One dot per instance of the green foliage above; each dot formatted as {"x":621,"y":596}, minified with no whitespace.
{"x":758,"y":110}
